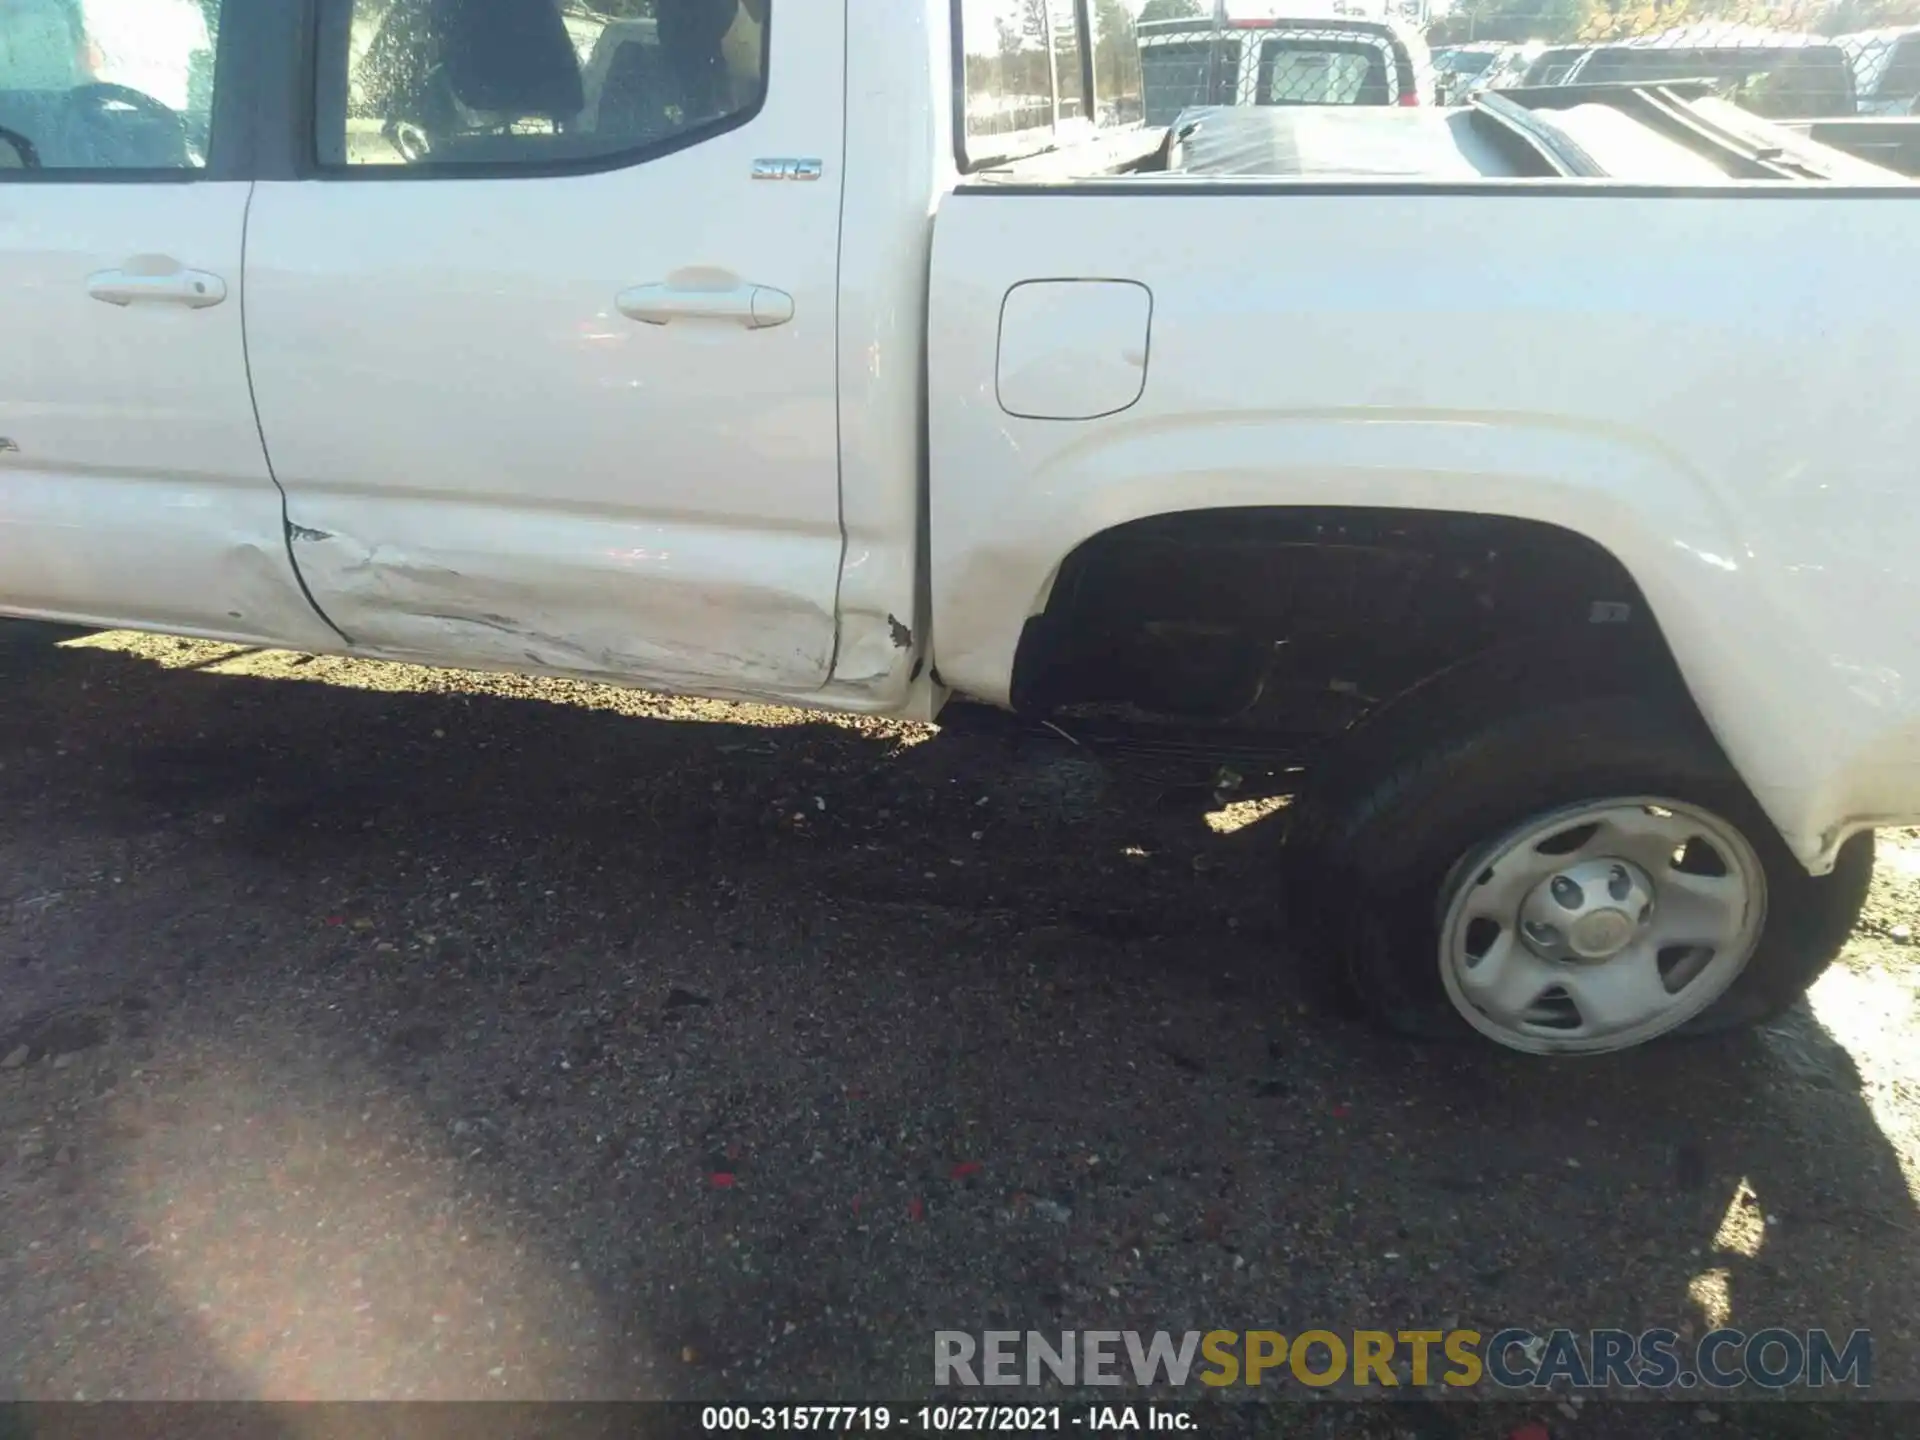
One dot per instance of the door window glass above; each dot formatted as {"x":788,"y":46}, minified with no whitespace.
{"x":534,"y":82}
{"x":108,"y":84}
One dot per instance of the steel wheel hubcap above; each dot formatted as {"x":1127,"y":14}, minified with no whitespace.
{"x":1588,"y":911}
{"x":1600,"y":926}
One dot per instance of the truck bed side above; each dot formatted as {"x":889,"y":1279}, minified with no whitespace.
{"x":1714,"y":387}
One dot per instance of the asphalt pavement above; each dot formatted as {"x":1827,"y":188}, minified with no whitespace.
{"x":371,"y":1031}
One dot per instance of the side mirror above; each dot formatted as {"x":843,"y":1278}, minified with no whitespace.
{"x":17,"y":152}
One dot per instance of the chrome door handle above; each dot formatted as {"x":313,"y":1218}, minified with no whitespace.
{"x":756,"y":307}
{"x":195,"y":289}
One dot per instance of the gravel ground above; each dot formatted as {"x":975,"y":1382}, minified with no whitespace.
{"x":370,"y":1031}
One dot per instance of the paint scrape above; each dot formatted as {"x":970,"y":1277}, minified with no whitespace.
{"x":567,"y":615}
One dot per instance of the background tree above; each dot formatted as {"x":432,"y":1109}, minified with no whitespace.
{"x":1851,"y":15}
{"x":1549,"y":20}
{"x":1117,"y":82}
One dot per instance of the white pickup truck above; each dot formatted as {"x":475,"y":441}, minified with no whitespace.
{"x":1543,"y":478}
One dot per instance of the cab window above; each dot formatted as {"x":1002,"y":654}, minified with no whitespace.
{"x":1036,"y":72}
{"x":523,"y":85}
{"x":107,"y":85}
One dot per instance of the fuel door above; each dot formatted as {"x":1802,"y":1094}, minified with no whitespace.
{"x":1073,"y":349}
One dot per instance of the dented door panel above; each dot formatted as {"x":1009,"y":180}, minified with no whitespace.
{"x":687,"y":606}
{"x":584,"y":423}
{"x":133,"y":488}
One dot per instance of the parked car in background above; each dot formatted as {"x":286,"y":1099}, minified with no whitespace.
{"x":1779,"y":74}
{"x":1269,"y":60}
{"x":1550,"y":66}
{"x":1886,"y":69}
{"x":1679,"y":133}
{"x":1459,"y":70}
{"x":1509,"y":66}
{"x":1463,"y":71}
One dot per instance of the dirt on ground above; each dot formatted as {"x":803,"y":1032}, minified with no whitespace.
{"x":372,"y":1031}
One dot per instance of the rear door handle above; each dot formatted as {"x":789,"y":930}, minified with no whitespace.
{"x":756,"y":307}
{"x":195,"y":289}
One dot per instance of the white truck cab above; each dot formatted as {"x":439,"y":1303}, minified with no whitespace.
{"x":873,"y":360}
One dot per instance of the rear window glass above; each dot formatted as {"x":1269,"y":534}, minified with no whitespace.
{"x":1043,"y":73}
{"x":1009,"y":69}
{"x":1069,"y":65}
{"x":1179,"y":74}
{"x":1323,"y":72}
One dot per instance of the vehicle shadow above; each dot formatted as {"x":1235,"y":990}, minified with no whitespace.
{"x":514,"y":1040}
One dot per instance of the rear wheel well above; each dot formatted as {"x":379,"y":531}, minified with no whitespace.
{"x":1299,"y":621}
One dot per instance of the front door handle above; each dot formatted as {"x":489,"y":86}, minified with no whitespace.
{"x":756,"y":307}
{"x":195,"y":289}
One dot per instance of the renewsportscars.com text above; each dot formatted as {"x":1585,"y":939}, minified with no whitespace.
{"x":1513,"y":1359}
